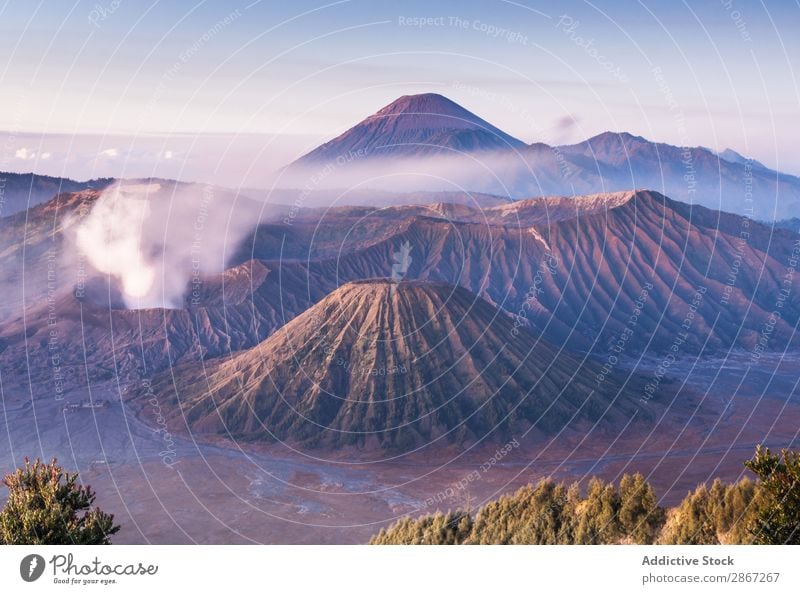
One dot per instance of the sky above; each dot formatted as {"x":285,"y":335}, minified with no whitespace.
{"x":227,"y":92}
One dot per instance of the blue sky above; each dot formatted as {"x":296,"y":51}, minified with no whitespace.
{"x":224,"y":90}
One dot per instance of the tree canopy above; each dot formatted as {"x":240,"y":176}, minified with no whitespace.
{"x":47,"y":505}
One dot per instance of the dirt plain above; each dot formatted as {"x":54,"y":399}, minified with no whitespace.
{"x":167,"y":488}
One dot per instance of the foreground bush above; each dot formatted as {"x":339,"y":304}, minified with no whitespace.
{"x":47,"y":506}
{"x":450,"y":528}
{"x":778,"y":519}
{"x":723,"y":514}
{"x":547,"y":513}
{"x":764,"y":511}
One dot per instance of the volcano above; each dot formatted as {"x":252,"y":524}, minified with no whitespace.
{"x":415,"y":125}
{"x":396,"y":365}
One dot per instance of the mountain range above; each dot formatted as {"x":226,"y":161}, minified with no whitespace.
{"x":395,"y":319}
{"x":605,"y":277}
{"x":427,"y":142}
{"x":20,"y":191}
{"x":431,"y":143}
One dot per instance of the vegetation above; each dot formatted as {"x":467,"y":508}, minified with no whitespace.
{"x":449,"y":528}
{"x":778,"y":519}
{"x":764,"y":511}
{"x":723,"y":514}
{"x":47,"y":506}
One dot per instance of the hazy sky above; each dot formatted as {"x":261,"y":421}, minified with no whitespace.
{"x":226,"y":91}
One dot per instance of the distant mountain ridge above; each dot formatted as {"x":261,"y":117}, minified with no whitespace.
{"x":439,"y":145}
{"x":21,"y":191}
{"x":732,"y":156}
{"x":427,"y":142}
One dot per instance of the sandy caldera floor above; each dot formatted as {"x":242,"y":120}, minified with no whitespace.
{"x":170,"y":489}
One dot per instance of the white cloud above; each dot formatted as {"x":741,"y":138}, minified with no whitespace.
{"x":111,"y":152}
{"x":27,"y":154}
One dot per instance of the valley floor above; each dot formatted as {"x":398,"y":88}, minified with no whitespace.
{"x":170,"y":489}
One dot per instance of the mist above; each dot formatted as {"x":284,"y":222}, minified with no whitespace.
{"x":693,"y":175}
{"x":481,"y":172}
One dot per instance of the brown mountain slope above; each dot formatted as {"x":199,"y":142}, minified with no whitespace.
{"x":414,"y":125}
{"x":579,"y":279}
{"x":91,"y":341}
{"x":398,"y":365}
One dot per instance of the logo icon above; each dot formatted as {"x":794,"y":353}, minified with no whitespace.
{"x":31,"y":567}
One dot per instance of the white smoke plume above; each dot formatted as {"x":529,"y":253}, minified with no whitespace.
{"x":153,"y":239}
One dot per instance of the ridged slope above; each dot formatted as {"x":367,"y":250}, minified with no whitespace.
{"x":397,"y":365}
{"x":413,"y":125}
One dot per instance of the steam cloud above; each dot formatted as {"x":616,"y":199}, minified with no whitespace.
{"x":153,"y":238}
